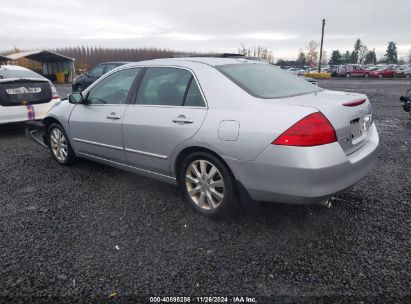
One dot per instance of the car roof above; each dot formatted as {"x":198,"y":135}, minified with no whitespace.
{"x":13,"y":67}
{"x":115,"y":62}
{"x":188,"y":61}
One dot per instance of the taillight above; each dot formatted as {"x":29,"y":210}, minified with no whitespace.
{"x":312,"y":130}
{"x":54,"y":93}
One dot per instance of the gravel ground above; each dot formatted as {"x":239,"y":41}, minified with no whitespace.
{"x":92,"y":233}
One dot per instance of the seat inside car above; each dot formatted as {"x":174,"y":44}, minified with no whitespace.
{"x":168,"y":94}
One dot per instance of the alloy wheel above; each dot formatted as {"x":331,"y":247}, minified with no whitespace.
{"x":204,"y":184}
{"x":59,"y":145}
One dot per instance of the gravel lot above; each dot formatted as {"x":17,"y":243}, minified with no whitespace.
{"x":89,"y":230}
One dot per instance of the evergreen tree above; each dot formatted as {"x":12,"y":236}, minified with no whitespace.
{"x":357,"y":49}
{"x":370,"y":57}
{"x":391,"y":53}
{"x":336,"y":57}
{"x":346,"y":58}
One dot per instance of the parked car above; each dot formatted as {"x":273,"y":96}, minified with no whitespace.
{"x":371,"y":68}
{"x":24,"y":94}
{"x":180,"y":123}
{"x":353,"y":70}
{"x":297,"y":71}
{"x":84,"y":80}
{"x":383,"y":72}
{"x":334,"y":70}
{"x":406,"y":99}
{"x":405,"y":72}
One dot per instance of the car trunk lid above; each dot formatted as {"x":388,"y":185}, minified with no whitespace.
{"x":18,"y":92}
{"x":349,"y":113}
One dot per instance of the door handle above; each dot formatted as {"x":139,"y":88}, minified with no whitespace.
{"x":113,"y":116}
{"x":182,"y":119}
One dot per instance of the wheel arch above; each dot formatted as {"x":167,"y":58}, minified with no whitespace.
{"x":192,"y":149}
{"x":239,"y":188}
{"x":48,"y":121}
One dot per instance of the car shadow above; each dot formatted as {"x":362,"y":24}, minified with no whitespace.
{"x":11,"y":130}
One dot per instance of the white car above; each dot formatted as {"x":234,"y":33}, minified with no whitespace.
{"x":24,"y":94}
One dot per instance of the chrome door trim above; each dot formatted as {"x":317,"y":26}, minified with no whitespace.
{"x":97,"y":144}
{"x":146,"y":153}
{"x":170,"y":178}
{"x":120,"y":148}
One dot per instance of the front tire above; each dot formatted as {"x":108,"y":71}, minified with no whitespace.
{"x":59,"y":145}
{"x":380,"y":76}
{"x":348,"y":75}
{"x":207,"y":184}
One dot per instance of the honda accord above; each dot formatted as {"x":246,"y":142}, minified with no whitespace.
{"x":222,"y":129}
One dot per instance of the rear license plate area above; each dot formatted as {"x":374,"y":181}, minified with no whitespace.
{"x":359,"y":128}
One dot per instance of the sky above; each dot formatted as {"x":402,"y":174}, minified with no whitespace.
{"x":282,"y":26}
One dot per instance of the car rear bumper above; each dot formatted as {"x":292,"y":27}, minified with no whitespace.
{"x":22,"y":113}
{"x":304,"y":175}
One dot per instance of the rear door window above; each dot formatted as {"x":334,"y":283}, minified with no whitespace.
{"x":193,"y":96}
{"x":164,"y":86}
{"x":5,"y":73}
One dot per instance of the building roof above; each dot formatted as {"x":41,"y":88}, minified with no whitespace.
{"x":40,"y":56}
{"x":4,"y":58}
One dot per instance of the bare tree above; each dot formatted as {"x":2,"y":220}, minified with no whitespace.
{"x":258,"y":52}
{"x":362,"y":52}
{"x":312,"y":52}
{"x":324,"y":59}
{"x":302,"y":58}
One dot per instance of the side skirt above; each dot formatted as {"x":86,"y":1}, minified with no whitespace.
{"x":147,"y":173}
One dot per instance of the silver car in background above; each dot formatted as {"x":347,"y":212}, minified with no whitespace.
{"x":222,"y":129}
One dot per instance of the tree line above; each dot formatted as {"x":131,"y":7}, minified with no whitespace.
{"x":86,"y":57}
{"x":360,"y":54}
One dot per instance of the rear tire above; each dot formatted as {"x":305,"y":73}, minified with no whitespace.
{"x":367,"y":75}
{"x":348,"y":75}
{"x":380,"y":76}
{"x":59,"y":145}
{"x":407,"y":76}
{"x":207,"y":184}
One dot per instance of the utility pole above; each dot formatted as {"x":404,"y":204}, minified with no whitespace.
{"x":321,"y":47}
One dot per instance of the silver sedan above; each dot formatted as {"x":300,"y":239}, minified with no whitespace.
{"x":221,"y":129}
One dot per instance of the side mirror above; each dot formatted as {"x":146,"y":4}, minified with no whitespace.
{"x":76,"y":98}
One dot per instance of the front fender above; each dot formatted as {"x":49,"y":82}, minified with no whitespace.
{"x":61,"y":113}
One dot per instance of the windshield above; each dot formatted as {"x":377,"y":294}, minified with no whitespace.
{"x":18,"y":74}
{"x":266,"y":81}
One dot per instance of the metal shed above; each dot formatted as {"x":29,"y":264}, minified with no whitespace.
{"x":4,"y":60}
{"x":56,"y":67}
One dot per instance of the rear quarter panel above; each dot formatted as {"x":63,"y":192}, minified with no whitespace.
{"x":260,"y":121}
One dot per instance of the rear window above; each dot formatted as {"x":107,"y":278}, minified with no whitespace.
{"x":266,"y":81}
{"x":18,"y":74}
